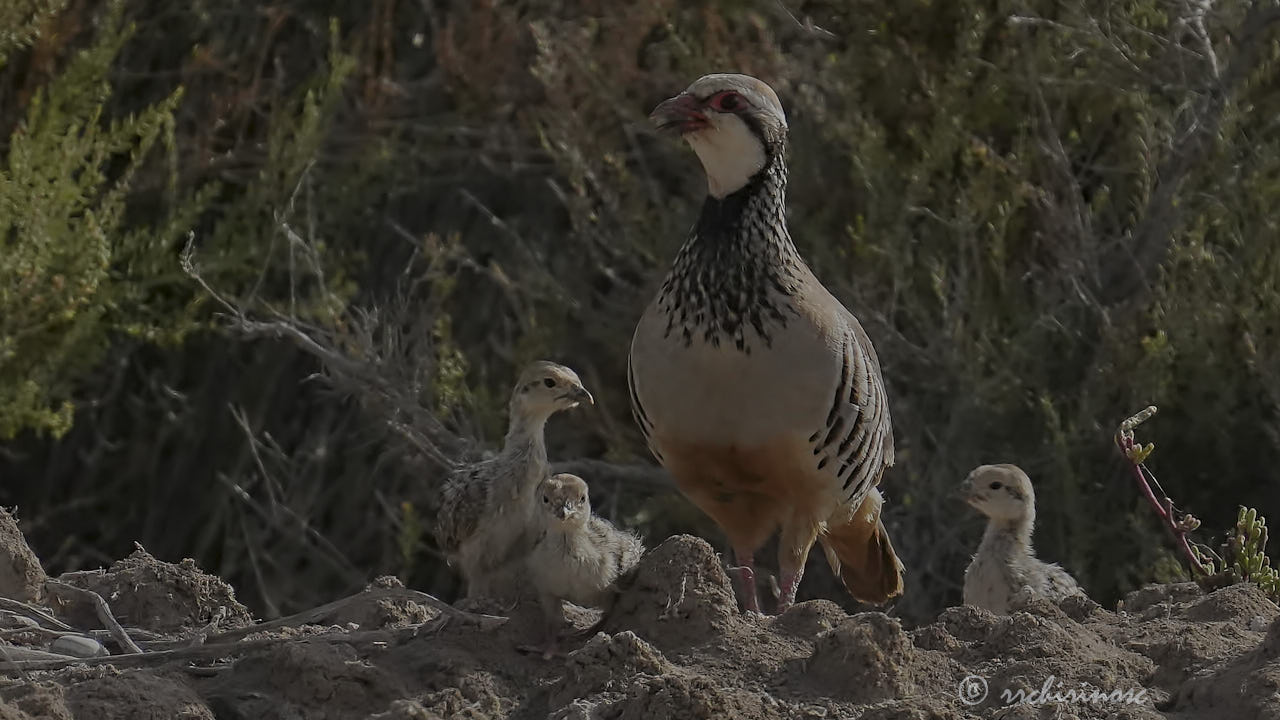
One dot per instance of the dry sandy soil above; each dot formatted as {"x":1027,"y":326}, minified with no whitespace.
{"x":676,"y":649}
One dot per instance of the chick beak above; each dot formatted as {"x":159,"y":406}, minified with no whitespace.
{"x":681,"y":114}
{"x":564,"y":511}
{"x":580,"y":394}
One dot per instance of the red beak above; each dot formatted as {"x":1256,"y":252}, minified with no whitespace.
{"x":681,"y":114}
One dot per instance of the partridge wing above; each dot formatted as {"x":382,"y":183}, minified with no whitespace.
{"x":855,"y":443}
{"x":463,"y":501}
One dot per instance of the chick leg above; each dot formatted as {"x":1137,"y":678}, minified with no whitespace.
{"x":606,"y":607}
{"x":745,"y":575}
{"x":553,"y":615}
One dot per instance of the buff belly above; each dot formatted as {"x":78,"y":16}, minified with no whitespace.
{"x":717,"y":434}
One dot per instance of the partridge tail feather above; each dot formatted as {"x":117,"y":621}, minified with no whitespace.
{"x":858,"y":548}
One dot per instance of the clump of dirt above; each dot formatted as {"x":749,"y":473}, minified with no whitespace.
{"x":679,"y":593}
{"x":674,"y":647}
{"x":868,"y":658}
{"x":304,"y":679}
{"x":37,"y":699}
{"x":21,"y":576}
{"x":384,"y":612}
{"x":103,"y":693}
{"x":159,"y":596}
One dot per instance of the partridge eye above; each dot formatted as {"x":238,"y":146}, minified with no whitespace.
{"x":728,"y":102}
{"x":549,"y":382}
{"x":995,"y":486}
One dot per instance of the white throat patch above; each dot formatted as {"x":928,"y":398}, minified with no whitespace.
{"x":730,"y":153}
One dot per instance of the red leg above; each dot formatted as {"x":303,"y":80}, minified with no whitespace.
{"x":797,"y":537}
{"x":745,"y":575}
{"x":790,"y":583}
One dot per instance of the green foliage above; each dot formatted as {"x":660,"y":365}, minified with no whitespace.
{"x":77,"y":271}
{"x":1244,"y":555}
{"x":20,"y":22}
{"x":67,"y":248}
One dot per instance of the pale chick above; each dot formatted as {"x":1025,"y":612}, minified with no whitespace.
{"x":1005,"y":563}
{"x":484,"y":520}
{"x":577,"y":556}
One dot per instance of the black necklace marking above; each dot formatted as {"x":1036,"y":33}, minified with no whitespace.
{"x":738,"y":266}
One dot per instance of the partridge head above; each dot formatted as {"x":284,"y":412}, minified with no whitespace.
{"x":734,"y":123}
{"x":564,"y":497}
{"x":1001,"y":492}
{"x":545,"y":388}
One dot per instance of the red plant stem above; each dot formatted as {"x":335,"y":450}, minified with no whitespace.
{"x":1166,"y":514}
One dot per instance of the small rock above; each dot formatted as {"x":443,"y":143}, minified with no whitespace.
{"x":78,"y":646}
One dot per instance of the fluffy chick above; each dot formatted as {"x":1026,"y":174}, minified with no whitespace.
{"x":486,"y":514}
{"x":578,"y":556}
{"x":1005,"y":562}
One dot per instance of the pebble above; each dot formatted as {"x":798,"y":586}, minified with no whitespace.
{"x":78,"y":646}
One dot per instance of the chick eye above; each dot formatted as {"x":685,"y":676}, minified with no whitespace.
{"x":545,"y":499}
{"x":995,"y":485}
{"x":549,"y":382}
{"x":727,"y":102}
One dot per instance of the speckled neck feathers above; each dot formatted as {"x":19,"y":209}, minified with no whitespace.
{"x":730,"y":280}
{"x":1007,"y":540}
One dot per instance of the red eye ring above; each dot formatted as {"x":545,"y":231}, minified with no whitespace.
{"x":727,"y":101}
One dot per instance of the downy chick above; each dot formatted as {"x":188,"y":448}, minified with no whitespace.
{"x":485,"y":516}
{"x":578,"y":556}
{"x":1005,"y":562}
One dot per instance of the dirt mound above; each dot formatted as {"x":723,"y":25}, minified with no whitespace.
{"x":21,"y":576}
{"x":31,"y":700}
{"x":103,"y":693}
{"x":674,"y":648}
{"x":159,"y":596}
{"x":678,"y":595}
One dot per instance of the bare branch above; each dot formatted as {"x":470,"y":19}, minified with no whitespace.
{"x":101,"y":607}
{"x":35,"y":613}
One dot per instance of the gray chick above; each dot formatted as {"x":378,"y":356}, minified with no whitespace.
{"x":1005,"y":563}
{"x":578,"y":556}
{"x":485,"y":517}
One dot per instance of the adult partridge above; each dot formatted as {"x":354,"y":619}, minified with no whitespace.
{"x":754,"y":386}
{"x":484,"y":523}
{"x":1005,"y":563}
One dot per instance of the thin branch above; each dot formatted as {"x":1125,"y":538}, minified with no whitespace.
{"x":207,"y":651}
{"x":315,"y":615}
{"x":336,"y":558}
{"x":807,"y":25}
{"x":1135,"y":453}
{"x":358,"y":376}
{"x":101,"y":607}
{"x":35,"y":613}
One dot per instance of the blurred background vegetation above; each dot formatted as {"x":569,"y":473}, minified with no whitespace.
{"x":1047,"y":214}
